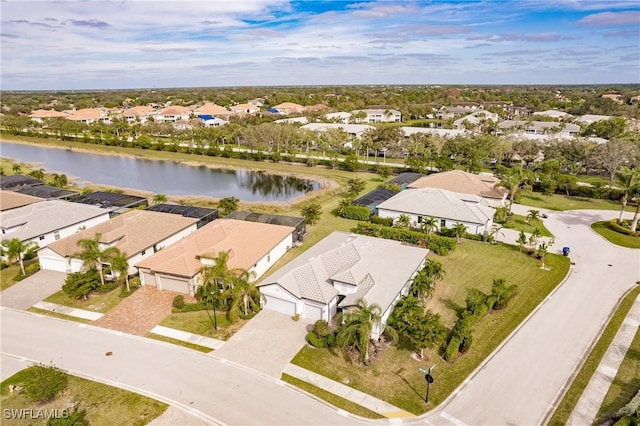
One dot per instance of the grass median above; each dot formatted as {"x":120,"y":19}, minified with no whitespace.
{"x":614,"y":237}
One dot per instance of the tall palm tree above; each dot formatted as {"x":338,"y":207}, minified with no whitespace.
{"x":532,"y":216}
{"x":428,"y":224}
{"x":243,"y":295}
{"x":16,"y":168}
{"x":37,"y":174}
{"x":120,"y":264}
{"x":512,"y":181}
{"x":626,"y":179}
{"x":358,"y":326}
{"x":16,"y":249}
{"x":459,"y":230}
{"x":92,"y":255}
{"x":434,"y":269}
{"x":422,"y":285}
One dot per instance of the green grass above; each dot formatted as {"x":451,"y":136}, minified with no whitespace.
{"x":8,"y":274}
{"x":615,"y":237}
{"x":395,"y":377}
{"x":519,"y":223}
{"x":625,"y":385}
{"x":571,"y":397}
{"x":199,"y":322}
{"x":331,"y":398}
{"x":58,"y":315}
{"x":179,"y":342}
{"x":96,"y":302}
{"x":104,"y":405}
{"x":565,"y":202}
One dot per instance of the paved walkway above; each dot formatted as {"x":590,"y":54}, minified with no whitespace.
{"x":374,"y":404}
{"x":207,"y":342}
{"x":140,"y":312}
{"x":26,"y":293}
{"x":587,"y":408}
{"x":266,"y":343}
{"x":67,"y":310}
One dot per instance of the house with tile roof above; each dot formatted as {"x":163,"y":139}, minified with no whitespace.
{"x":49,"y":221}
{"x":252,"y":246}
{"x":12,"y":200}
{"x":88,"y":116}
{"x":286,"y":108}
{"x":139,"y":114}
{"x":40,"y":115}
{"x":212,"y":110}
{"x":171,"y":114}
{"x":244,"y":109}
{"x":482,"y":185}
{"x":138,"y":233}
{"x":338,"y":271}
{"x":447,"y":207}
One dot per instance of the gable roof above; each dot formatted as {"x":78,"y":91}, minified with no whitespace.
{"x":11,"y":200}
{"x":440,"y":203}
{"x":45,"y":217}
{"x":246,"y":242}
{"x":212,"y":109}
{"x":139,"y":111}
{"x":130,"y":232}
{"x":462,"y":182}
{"x":353,"y":259}
{"x":175,"y":110}
{"x":86,"y":114}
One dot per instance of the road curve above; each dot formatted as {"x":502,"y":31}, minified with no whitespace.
{"x":217,"y":392}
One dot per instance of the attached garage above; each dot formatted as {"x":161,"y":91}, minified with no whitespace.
{"x":313,"y":312}
{"x":172,"y":284}
{"x":148,"y":278}
{"x":286,"y":307}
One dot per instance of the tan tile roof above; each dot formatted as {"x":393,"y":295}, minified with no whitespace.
{"x":138,"y":111}
{"x":246,"y":242}
{"x":130,"y":232}
{"x":243,"y":108}
{"x":175,"y":110}
{"x":10,"y":200}
{"x":462,"y":182}
{"x":290,"y":106}
{"x":86,"y":114}
{"x":47,"y":113}
{"x":212,"y":109}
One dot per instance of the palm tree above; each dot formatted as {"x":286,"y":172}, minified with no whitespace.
{"x":120,"y":264}
{"x":243,"y":295}
{"x":522,"y":240}
{"x":434,"y":269}
{"x":625,"y":180}
{"x":403,"y":221}
{"x":92,"y":254}
{"x":16,"y":249}
{"x":159,"y":198}
{"x":422,"y":285}
{"x":535,"y":235}
{"x":358,"y":326}
{"x":37,"y":174}
{"x":428,"y":224}
{"x":532,"y":216}
{"x":634,"y":192}
{"x":16,"y":168}
{"x":459,"y":230}
{"x":512,"y":181}
{"x":543,"y":250}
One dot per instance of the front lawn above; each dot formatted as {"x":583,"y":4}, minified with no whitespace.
{"x":8,"y":274}
{"x":615,"y":237}
{"x":95,"y":302}
{"x":103,"y":404}
{"x":519,"y":223}
{"x":396,"y":379}
{"x":566,"y":202}
{"x":201,"y":322}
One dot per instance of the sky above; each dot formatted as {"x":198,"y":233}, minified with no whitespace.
{"x":98,"y":44}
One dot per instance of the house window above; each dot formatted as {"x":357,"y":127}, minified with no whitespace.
{"x":56,"y":235}
{"x":443,"y":223}
{"x":420,"y":219}
{"x":143,"y":252}
{"x":41,"y":237}
{"x":269,"y":257}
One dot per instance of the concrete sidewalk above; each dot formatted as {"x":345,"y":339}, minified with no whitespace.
{"x":346,"y":392}
{"x":587,"y":408}
{"x":207,"y":342}
{"x":67,"y":310}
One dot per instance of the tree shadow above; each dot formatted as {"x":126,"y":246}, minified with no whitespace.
{"x":450,"y":304}
{"x":399,"y":374}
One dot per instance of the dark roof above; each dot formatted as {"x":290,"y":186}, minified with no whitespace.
{"x":186,"y":211}
{"x":15,"y":181}
{"x":272,"y":219}
{"x":110,"y":199}
{"x":46,"y":191}
{"x":375,"y":197}
{"x":406,"y":178}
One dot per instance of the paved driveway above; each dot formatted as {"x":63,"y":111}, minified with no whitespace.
{"x":266,"y":343}
{"x":521,"y":381}
{"x":33,"y":289}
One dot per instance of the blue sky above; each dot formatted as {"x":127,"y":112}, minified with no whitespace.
{"x":97,"y":44}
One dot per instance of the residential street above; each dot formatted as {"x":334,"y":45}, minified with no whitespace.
{"x":521,"y":382}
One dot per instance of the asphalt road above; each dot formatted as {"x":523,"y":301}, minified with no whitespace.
{"x":522,"y":381}
{"x":215,"y":391}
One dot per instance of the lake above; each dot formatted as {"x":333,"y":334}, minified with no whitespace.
{"x":159,"y":176}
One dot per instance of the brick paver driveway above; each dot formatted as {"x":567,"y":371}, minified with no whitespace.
{"x":140,"y":312}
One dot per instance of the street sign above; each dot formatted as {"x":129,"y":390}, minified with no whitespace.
{"x":422,"y":370}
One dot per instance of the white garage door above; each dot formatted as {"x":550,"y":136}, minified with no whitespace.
{"x":312,"y":312}
{"x":280,"y":305}
{"x":53,"y":264}
{"x":149,"y":279}
{"x":173,"y":284}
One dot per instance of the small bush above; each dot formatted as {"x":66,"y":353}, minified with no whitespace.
{"x":32,"y":269}
{"x":453,"y":347}
{"x":321,"y":328}
{"x":190,"y":307}
{"x":466,"y":343}
{"x":385,"y":221}
{"x":355,"y":213}
{"x":615,"y":226}
{"x":315,"y":341}
{"x":44,"y":382}
{"x":331,"y":340}
{"x":439,"y":245}
{"x":178,"y":302}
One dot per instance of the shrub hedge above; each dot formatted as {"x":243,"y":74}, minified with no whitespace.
{"x":615,"y":226}
{"x":439,"y":245}
{"x":386,"y":221}
{"x":355,"y":212}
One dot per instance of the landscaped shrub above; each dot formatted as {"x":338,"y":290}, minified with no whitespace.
{"x":178,"y":302}
{"x":439,"y":245}
{"x":315,"y":341}
{"x":631,"y":409}
{"x":453,"y":347}
{"x":44,"y":382}
{"x":615,"y":226}
{"x":81,"y":284}
{"x":331,"y":340}
{"x":355,"y":212}
{"x":321,"y":328}
{"x":466,"y":344}
{"x":385,"y":221}
{"x":190,"y":307}
{"x":32,"y":269}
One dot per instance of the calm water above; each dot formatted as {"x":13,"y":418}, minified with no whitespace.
{"x":156,"y":176}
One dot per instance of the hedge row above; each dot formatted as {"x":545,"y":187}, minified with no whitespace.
{"x":615,"y":226}
{"x":355,"y":212}
{"x":437,"y":244}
